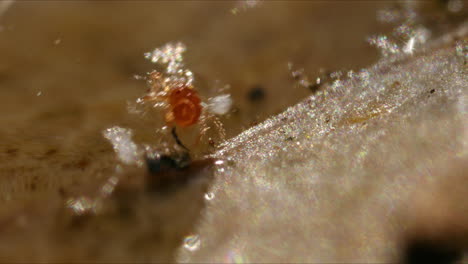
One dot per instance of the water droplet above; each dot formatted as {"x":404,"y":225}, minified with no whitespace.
{"x":219,"y":162}
{"x":192,"y":242}
{"x":209,"y":196}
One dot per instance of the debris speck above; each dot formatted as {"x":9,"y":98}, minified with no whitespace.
{"x":220,"y":104}
{"x":256,"y":93}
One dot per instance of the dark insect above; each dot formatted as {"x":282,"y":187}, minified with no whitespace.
{"x":167,"y":172}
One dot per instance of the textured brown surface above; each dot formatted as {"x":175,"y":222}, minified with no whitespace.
{"x":66,"y":75}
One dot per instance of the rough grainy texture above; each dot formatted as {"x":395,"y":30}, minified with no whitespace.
{"x":301,"y":186}
{"x":329,"y":179}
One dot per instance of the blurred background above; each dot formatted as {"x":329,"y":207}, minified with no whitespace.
{"x":67,"y":72}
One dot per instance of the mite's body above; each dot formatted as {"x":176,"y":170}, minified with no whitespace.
{"x":181,"y":104}
{"x":184,"y":106}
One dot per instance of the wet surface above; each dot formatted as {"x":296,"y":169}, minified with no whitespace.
{"x":67,"y":75}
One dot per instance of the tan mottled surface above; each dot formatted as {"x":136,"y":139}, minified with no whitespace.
{"x":66,"y":75}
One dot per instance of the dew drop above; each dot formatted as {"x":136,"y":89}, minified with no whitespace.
{"x":209,"y":196}
{"x":192,"y":242}
{"x":219,"y":162}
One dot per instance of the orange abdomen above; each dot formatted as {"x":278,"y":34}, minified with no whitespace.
{"x":185,"y":106}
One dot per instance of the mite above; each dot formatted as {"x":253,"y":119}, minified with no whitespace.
{"x":181,"y":102}
{"x":182,"y":105}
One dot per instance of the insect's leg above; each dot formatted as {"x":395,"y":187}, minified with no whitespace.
{"x":176,"y":138}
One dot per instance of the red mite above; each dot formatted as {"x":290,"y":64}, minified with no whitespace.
{"x":184,"y":106}
{"x":183,"y":103}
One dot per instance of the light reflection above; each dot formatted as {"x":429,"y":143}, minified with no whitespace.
{"x":81,"y":205}
{"x":209,"y":196}
{"x":121,"y":140}
{"x":192,"y":242}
